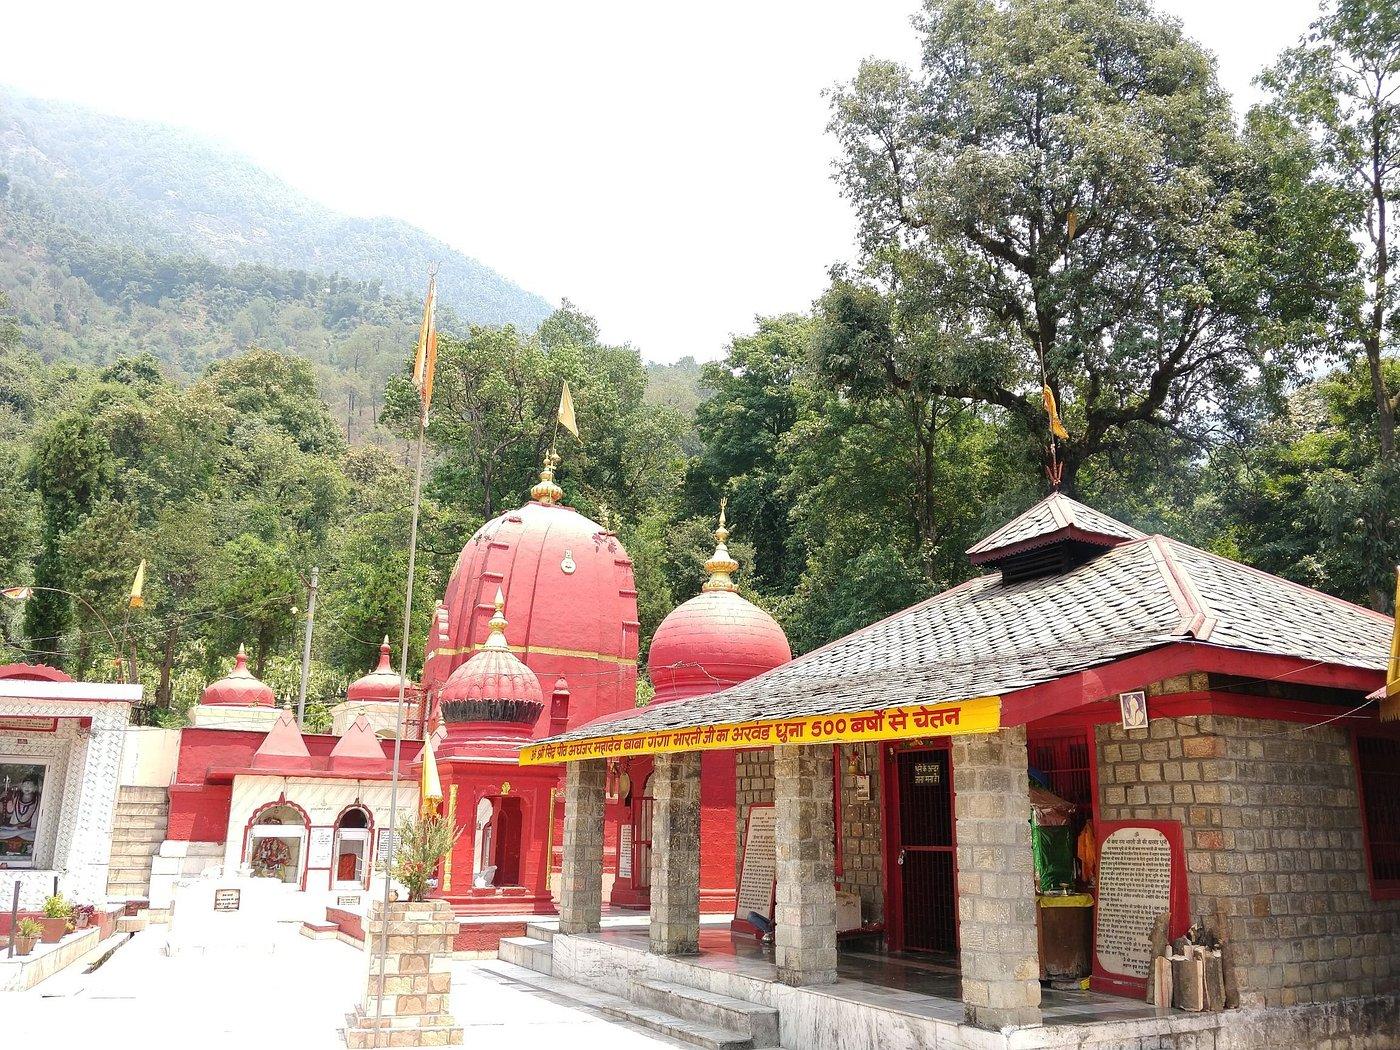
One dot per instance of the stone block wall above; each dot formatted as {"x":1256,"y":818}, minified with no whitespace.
{"x":1272,"y":827}
{"x":862,"y":823}
{"x":863,"y":831}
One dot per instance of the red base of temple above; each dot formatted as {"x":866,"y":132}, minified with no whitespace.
{"x":508,"y":900}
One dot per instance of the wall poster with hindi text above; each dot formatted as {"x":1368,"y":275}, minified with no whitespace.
{"x":758,"y":878}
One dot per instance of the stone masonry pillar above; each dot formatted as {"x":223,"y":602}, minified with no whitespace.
{"x":581,"y":885}
{"x":806,"y":914}
{"x":675,"y":854}
{"x":996,"y":880}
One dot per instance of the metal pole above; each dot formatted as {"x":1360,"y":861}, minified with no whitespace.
{"x":306,"y":647}
{"x":398,"y":725}
{"x":14,"y":922}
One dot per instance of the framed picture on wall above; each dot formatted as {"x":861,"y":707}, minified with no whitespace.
{"x":21,"y":809}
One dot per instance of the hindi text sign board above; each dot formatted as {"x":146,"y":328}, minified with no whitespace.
{"x":979,"y":715}
{"x":1142,"y":873}
{"x":758,"y":874}
{"x":227,"y":900}
{"x":624,"y":852}
{"x":318,"y":854}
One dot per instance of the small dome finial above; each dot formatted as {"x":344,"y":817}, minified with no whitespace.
{"x":546,"y":491}
{"x":497,"y":638}
{"x":721,"y":564}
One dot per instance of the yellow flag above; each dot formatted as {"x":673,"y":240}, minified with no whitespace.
{"x":429,"y":786}
{"x":1056,"y":427}
{"x":137,"y":584}
{"x":1390,"y":695}
{"x":425,"y":360}
{"x":566,"y":411}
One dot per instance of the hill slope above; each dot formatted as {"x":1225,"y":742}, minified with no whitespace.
{"x":157,"y":189}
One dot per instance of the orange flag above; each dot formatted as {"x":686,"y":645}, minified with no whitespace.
{"x":425,"y":360}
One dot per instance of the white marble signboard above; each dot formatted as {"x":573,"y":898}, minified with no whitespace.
{"x":760,"y":867}
{"x":319,"y":852}
{"x":1135,"y":882}
{"x":624,"y":852}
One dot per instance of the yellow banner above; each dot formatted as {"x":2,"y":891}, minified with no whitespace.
{"x":982,"y":715}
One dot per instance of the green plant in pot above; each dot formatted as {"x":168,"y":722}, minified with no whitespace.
{"x":56,"y":907}
{"x":27,"y":935}
{"x":422,"y":845}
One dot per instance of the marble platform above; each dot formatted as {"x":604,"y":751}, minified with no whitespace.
{"x":906,"y":1002}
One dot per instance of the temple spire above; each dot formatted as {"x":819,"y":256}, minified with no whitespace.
{"x":497,"y":638}
{"x":721,"y":564}
{"x":546,"y":491}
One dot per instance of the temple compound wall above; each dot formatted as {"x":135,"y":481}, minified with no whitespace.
{"x":1274,"y":853}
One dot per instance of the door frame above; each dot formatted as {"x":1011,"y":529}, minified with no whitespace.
{"x":894,"y":882}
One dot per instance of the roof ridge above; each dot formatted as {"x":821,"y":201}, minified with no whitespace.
{"x":1284,"y":580}
{"x":1197,"y":618}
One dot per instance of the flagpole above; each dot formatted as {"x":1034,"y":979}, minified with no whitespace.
{"x":398,"y":724}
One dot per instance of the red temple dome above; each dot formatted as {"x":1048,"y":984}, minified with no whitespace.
{"x":572,"y":598}
{"x":493,"y":686}
{"x":716,"y":639}
{"x":238,"y":688}
{"x":383,"y":682}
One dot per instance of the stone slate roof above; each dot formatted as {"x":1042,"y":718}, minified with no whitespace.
{"x":989,"y":638}
{"x":1054,"y":516}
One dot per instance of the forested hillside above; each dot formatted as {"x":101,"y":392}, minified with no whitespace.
{"x":146,"y":186}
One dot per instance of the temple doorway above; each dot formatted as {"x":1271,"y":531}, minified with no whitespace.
{"x":496,"y":856}
{"x":922,"y":873}
{"x":277,"y":843}
{"x":352,"y":849}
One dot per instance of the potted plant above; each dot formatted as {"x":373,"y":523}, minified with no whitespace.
{"x":26,"y":935}
{"x":422,"y":845}
{"x":83,"y":915}
{"x":56,"y":921}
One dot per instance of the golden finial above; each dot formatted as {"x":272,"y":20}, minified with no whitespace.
{"x":546,"y":491}
{"x":497,"y":638}
{"x":721,"y":564}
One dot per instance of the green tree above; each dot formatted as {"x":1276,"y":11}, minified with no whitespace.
{"x":1337,"y":89}
{"x":1058,"y":191}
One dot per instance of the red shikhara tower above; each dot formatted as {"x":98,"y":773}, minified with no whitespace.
{"x":716,"y":639}
{"x":570,"y":600}
{"x":569,"y":596}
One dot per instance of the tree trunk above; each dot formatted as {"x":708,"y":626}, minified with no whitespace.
{"x":167,"y":665}
{"x":1385,"y":412}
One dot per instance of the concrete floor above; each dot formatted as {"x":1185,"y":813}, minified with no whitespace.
{"x":297,"y":996}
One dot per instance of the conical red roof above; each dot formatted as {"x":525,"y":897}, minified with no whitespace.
{"x":238,"y":688}
{"x":493,"y":685}
{"x":383,"y":682}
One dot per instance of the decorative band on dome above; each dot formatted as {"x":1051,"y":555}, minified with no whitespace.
{"x":522,"y":712}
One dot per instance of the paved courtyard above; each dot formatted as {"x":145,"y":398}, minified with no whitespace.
{"x":295,"y":997}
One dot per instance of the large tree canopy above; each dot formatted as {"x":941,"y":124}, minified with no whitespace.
{"x":1057,"y":191}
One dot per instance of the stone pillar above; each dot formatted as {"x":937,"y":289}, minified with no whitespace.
{"x":806,"y":914}
{"x":675,"y":854}
{"x":581,"y":887}
{"x":996,"y":880}
{"x":417,"y":978}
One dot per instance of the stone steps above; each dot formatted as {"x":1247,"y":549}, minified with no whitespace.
{"x":529,"y":952}
{"x":139,"y":826}
{"x":722,"y":1011}
{"x":680,"y":1029}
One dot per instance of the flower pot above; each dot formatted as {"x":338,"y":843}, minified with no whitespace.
{"x":54,"y":929}
{"x":24,"y":945}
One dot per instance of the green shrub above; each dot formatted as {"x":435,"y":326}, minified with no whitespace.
{"x":28,"y":928}
{"x":56,"y":907}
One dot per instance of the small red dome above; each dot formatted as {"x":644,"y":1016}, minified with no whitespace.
{"x":382,"y":683}
{"x":238,"y":688}
{"x":493,"y":686}
{"x":715,"y":640}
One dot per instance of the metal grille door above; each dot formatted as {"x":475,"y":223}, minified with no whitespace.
{"x":925,"y":856}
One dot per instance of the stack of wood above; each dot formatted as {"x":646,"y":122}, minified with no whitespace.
{"x":1188,"y":973}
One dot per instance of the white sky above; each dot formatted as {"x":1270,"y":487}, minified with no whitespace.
{"x":664,"y":165}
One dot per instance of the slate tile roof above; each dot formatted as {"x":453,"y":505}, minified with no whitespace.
{"x":1055,"y":514}
{"x":989,"y":638}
